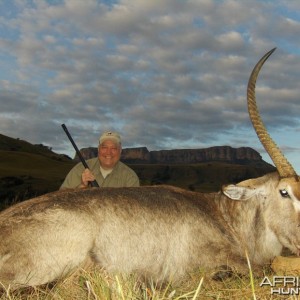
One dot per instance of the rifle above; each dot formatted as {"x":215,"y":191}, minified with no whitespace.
{"x":93,"y":183}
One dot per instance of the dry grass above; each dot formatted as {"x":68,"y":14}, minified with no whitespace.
{"x":98,"y":285}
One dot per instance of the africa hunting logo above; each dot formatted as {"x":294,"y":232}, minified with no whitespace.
{"x":282,"y":285}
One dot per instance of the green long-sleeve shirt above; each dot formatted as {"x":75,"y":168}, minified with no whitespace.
{"x":121,"y":175}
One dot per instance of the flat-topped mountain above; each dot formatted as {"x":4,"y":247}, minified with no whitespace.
{"x":141,"y":155}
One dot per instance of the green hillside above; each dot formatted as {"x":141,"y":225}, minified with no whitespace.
{"x":11,"y":144}
{"x":27,"y":170}
{"x":24,"y":175}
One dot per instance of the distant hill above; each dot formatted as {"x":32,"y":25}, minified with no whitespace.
{"x":28,"y":170}
{"x":11,"y":144}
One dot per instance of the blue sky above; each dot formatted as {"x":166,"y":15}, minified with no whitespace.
{"x":166,"y":74}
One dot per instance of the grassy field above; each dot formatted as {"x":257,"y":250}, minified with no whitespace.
{"x":97,"y":284}
{"x":25,"y":175}
{"x":201,"y":177}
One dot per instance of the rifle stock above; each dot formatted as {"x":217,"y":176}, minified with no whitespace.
{"x":93,"y":183}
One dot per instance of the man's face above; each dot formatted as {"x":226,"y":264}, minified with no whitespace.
{"x":109,"y":154}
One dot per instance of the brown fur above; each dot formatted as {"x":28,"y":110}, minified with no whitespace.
{"x":160,"y":232}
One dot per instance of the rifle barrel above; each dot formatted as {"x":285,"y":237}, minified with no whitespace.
{"x":93,"y":183}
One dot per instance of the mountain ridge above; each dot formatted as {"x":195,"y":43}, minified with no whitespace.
{"x":141,"y":155}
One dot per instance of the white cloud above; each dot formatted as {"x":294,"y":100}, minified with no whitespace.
{"x":167,"y":74}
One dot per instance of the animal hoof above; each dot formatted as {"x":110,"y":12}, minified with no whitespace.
{"x":224,"y":272}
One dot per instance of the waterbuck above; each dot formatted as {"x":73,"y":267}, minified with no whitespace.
{"x":158,"y":232}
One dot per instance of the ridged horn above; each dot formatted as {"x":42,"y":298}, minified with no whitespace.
{"x":284,"y":168}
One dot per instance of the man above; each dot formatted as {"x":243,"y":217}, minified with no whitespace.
{"x":106,"y":168}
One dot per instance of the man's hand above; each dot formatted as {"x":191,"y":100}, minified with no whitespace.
{"x":86,"y":176}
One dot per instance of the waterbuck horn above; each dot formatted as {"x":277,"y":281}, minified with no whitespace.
{"x":284,"y":168}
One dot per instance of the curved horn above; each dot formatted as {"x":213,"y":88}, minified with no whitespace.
{"x":284,"y":168}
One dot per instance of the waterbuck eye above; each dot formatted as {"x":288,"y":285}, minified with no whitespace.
{"x":284,"y":193}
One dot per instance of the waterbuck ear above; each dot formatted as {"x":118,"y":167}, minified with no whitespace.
{"x":236,"y":192}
